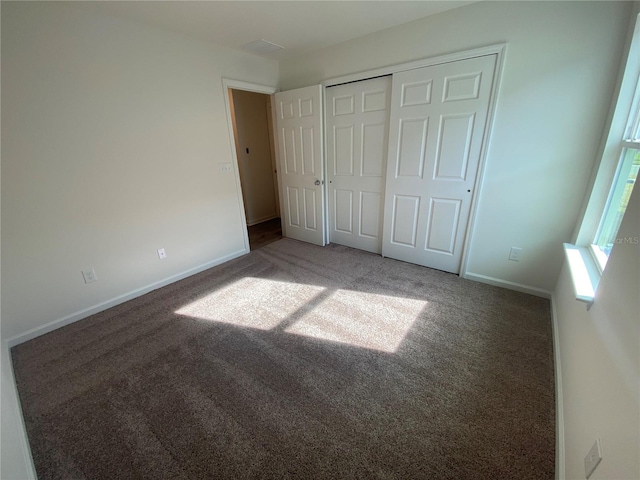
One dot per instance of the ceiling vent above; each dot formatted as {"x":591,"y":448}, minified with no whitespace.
{"x":262,"y":47}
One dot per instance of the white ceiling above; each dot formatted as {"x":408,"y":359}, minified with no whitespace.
{"x":299,"y":26}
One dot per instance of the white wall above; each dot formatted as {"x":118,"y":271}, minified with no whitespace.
{"x":600,"y":361}
{"x":559,"y":74}
{"x":256,"y":167}
{"x":15,"y":459}
{"x":111,"y":137}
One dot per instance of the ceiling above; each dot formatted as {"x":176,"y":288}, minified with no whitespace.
{"x":298,"y":26}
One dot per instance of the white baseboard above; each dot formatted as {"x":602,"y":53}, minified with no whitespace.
{"x":20,"y":465}
{"x":86,"y":312}
{"x":560,"y":453}
{"x":260,"y":220}
{"x":518,"y":287}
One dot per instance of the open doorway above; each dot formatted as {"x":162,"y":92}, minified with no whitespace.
{"x":253,"y":135}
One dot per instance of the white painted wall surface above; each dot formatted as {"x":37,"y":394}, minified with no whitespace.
{"x":600,"y":361}
{"x":560,"y":68}
{"x":256,"y":167}
{"x":112,"y":133}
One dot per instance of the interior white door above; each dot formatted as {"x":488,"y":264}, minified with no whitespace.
{"x":357,"y":133}
{"x":300,"y":147}
{"x":437,"y":122}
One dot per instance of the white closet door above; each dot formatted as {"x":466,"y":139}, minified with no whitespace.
{"x":357,"y":133}
{"x":437,"y":123}
{"x":300,"y":145}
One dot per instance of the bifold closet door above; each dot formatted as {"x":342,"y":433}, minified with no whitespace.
{"x":437,"y":126}
{"x":357,"y":133}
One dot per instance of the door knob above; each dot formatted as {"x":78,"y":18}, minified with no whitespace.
{"x":317,"y":182}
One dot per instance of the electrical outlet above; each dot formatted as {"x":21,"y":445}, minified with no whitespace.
{"x":514,"y":254}
{"x":89,"y":275}
{"x":593,"y":458}
{"x":225,"y":167}
{"x":162,"y":254}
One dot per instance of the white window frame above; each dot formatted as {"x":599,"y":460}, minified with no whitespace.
{"x":585,"y":260}
{"x":629,"y":143}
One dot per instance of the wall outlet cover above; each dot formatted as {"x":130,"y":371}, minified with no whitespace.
{"x":225,"y":167}
{"x":593,"y":459}
{"x":514,"y":254}
{"x":89,"y":275}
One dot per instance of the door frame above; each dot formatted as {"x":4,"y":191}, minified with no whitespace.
{"x":499,"y":50}
{"x":274,"y":155}
{"x":227,"y":84}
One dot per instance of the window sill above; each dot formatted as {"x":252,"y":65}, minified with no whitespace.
{"x":584,"y":272}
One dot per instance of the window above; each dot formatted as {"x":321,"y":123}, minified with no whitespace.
{"x":613,"y":182}
{"x":625,"y":179}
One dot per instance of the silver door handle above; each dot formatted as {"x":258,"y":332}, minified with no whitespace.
{"x":317,"y":182}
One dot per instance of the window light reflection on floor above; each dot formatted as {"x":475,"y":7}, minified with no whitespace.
{"x":361,"y":319}
{"x":253,"y":302}
{"x":367,"y":320}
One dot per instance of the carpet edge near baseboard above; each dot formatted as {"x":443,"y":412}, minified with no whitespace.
{"x":112,"y":302}
{"x":498,"y":282}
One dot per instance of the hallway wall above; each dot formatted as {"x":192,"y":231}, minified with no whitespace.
{"x":254,"y":155}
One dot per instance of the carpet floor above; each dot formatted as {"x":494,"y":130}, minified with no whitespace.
{"x":298,"y":362}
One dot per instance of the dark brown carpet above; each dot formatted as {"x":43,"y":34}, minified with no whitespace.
{"x":298,"y":362}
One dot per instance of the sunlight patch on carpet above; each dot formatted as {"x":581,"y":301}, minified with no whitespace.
{"x":360,"y":319}
{"x":253,"y":302}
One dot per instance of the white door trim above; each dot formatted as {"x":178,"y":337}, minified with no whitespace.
{"x":499,"y":50}
{"x":228,"y":83}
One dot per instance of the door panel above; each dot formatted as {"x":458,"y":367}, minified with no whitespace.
{"x":293,"y":202}
{"x":374,"y":152}
{"x":370,"y":214}
{"x":308,"y":151}
{"x":343,"y":208}
{"x":405,"y":219}
{"x":299,"y":127}
{"x":311,"y":208}
{"x":454,"y":140}
{"x":411,"y":147}
{"x":416,"y":93}
{"x":442,"y":225}
{"x":343,"y":150}
{"x":357,"y":133}
{"x":437,"y":122}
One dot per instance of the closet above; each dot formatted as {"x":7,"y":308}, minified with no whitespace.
{"x":402,"y":160}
